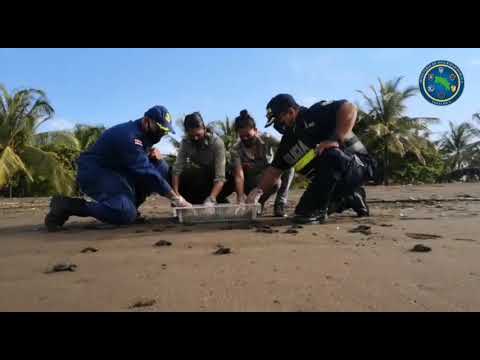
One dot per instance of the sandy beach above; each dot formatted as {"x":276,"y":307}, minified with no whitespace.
{"x":321,"y":268}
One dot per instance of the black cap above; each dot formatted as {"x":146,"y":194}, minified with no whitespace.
{"x":278,"y":105}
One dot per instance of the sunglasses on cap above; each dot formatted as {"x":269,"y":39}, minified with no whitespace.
{"x":271,"y":117}
{"x":165,"y":129}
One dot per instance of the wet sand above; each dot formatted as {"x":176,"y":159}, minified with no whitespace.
{"x":321,"y":268}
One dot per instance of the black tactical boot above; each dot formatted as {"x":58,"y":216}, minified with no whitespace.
{"x":358,"y":202}
{"x":338,"y":205}
{"x":314,"y":203}
{"x":61,"y":208}
{"x":279,"y":210}
{"x":317,"y":217}
{"x":140,"y":219}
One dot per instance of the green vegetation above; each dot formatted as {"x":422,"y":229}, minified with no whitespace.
{"x":36,"y":163}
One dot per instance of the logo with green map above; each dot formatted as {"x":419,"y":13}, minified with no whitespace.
{"x":441,"y":82}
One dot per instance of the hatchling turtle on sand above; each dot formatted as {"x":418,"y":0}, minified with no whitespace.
{"x":62,"y":267}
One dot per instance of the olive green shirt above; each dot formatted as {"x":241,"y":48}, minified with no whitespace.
{"x":209,"y":153}
{"x":260,"y":155}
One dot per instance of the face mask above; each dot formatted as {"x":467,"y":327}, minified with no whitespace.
{"x":281,"y":128}
{"x":197,"y":143}
{"x":155,"y":137}
{"x":250,"y":142}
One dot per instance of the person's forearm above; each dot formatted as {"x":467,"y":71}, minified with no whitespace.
{"x":176,"y":183}
{"x":269,"y":178}
{"x":346,"y":118}
{"x":217,"y":187}
{"x":240,"y":184}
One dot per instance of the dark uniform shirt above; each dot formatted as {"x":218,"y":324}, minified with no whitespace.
{"x":121,"y":150}
{"x":312,"y":126}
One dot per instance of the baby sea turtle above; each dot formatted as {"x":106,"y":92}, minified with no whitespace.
{"x":162,"y":243}
{"x":222,"y":251}
{"x":421,"y":248}
{"x":62,"y":267}
{"x":89,"y":249}
{"x":142,"y":303}
{"x":363,"y":229}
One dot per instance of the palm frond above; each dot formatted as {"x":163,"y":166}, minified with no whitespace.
{"x":87,"y":135}
{"x":10,"y":165}
{"x":476,"y":117}
{"x":174,"y":142}
{"x":46,"y":165}
{"x":57,"y":137}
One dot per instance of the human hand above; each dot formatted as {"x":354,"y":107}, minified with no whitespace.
{"x":179,"y":201}
{"x":254,"y":196}
{"x":155,"y":154}
{"x":210,"y":201}
{"x":327,"y":144}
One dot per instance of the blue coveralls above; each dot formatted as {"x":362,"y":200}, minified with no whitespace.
{"x":118,"y":174}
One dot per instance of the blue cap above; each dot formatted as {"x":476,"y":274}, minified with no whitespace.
{"x":162,"y":117}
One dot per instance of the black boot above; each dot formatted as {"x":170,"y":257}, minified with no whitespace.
{"x":279,"y":210}
{"x":317,"y":217}
{"x":312,"y":208}
{"x":314,"y":203}
{"x":61,"y":208}
{"x":140,"y":219}
{"x":338,"y":205}
{"x":358,"y":202}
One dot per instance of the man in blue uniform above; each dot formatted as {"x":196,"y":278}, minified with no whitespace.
{"x":320,"y":144}
{"x":119,"y":171}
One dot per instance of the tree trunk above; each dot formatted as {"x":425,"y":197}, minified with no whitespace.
{"x":385,"y":163}
{"x":10,"y":186}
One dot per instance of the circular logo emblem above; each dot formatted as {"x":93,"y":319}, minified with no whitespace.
{"x":441,"y":82}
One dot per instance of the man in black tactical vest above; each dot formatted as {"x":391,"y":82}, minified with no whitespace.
{"x":320,"y":144}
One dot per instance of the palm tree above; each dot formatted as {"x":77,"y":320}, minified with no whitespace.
{"x":226,"y":131}
{"x":173,"y":141}
{"x":270,"y":140}
{"x":223,"y":129}
{"x":458,"y":146}
{"x":82,"y":137}
{"x":21,"y":113}
{"x":56,"y":137}
{"x":385,"y":128}
{"x":87,"y":135}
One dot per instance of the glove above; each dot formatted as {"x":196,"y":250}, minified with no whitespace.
{"x":254,"y":196}
{"x":241,"y":206}
{"x":241,"y":200}
{"x":179,"y":201}
{"x":210,"y":201}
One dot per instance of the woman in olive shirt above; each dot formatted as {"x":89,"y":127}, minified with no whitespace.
{"x":199,"y":171}
{"x":250,"y":156}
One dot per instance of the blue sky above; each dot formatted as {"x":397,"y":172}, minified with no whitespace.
{"x":110,"y":86}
